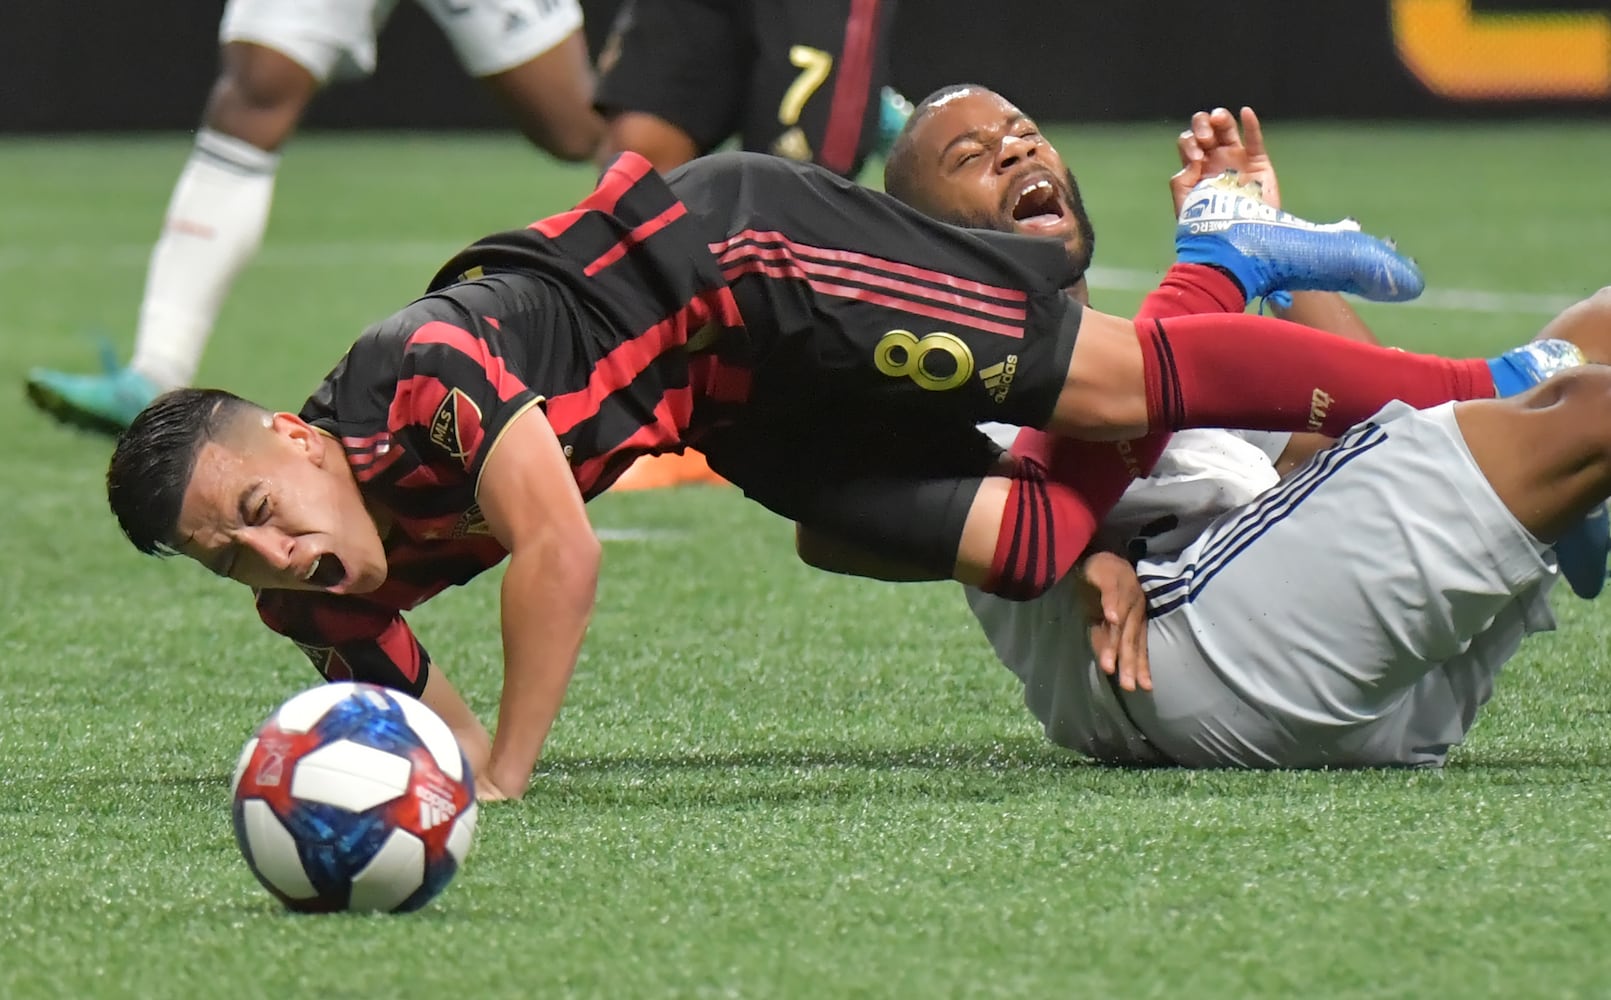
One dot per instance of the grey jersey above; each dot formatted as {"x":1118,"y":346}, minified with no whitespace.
{"x":1357,"y":614}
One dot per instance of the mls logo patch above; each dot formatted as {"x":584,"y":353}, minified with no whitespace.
{"x":456,"y":425}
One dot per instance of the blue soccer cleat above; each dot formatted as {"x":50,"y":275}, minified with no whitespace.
{"x":1582,"y":549}
{"x":106,"y":403}
{"x":893,"y":111}
{"x":1224,"y":223}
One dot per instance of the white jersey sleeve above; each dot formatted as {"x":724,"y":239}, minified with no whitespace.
{"x":1200,"y":475}
{"x":1355,"y":615}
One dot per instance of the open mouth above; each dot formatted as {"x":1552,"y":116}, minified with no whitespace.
{"x":326,"y":572}
{"x":1038,"y":206}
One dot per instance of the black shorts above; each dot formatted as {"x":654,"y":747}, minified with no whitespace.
{"x":896,"y":485}
{"x":796,"y":78}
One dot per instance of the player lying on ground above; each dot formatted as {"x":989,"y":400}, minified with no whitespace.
{"x":275,"y":57}
{"x":1353,"y":627}
{"x":476,"y":422}
{"x":1355,"y":615}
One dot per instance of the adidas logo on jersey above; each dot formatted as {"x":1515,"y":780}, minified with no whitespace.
{"x":998,"y":378}
{"x":1319,"y":406}
{"x":436,"y":807}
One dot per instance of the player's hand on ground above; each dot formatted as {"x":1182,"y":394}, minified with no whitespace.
{"x":1115,"y":609}
{"x":1213,"y":144}
{"x":486,"y":791}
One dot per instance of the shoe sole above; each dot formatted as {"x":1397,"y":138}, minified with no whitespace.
{"x":65,"y":412}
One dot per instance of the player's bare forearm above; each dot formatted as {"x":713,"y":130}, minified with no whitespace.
{"x":546,"y":604}
{"x":1330,"y":312}
{"x":1300,"y":448}
{"x":441,"y":697}
{"x":529,"y":496}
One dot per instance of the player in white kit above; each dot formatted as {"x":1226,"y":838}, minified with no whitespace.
{"x":1355,"y":614}
{"x":276,"y":56}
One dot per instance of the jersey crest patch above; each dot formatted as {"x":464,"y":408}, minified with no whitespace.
{"x":327,"y":661}
{"x":456,"y":412}
{"x":471,"y":522}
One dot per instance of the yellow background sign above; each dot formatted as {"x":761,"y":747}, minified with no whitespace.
{"x":1463,"y":54}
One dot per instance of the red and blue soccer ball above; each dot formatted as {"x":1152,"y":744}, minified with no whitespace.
{"x":354,"y":797}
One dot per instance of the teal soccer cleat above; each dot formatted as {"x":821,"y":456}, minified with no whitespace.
{"x":106,"y":403}
{"x":1583,"y":548}
{"x":1224,"y":223}
{"x":893,"y":111}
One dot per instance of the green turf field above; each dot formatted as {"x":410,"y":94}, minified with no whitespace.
{"x":767,"y":781}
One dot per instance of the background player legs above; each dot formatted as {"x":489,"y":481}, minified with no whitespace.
{"x":797,"y":78}
{"x":550,"y":99}
{"x":274,"y":59}
{"x":220,"y":208}
{"x":213,"y":226}
{"x":659,"y":141}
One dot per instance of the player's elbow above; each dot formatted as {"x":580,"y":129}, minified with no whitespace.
{"x":563,"y":569}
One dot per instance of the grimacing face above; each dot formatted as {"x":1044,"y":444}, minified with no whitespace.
{"x":981,"y":162}
{"x":273,"y":505}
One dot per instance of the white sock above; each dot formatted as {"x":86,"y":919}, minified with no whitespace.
{"x":214,"y":225}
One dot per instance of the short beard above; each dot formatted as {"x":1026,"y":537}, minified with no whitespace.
{"x":1002,"y":222}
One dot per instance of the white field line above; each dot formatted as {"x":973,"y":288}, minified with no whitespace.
{"x":637,"y":534}
{"x":421,"y":254}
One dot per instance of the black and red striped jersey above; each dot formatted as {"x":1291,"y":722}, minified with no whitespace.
{"x":741,"y":287}
{"x":590,"y":316}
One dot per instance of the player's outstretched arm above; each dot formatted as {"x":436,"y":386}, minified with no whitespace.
{"x":529,"y":497}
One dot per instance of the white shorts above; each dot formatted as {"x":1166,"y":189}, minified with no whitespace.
{"x":335,"y":39}
{"x":1355,"y":615}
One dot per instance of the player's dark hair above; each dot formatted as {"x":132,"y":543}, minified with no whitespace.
{"x":900,"y":167}
{"x":155,"y":458}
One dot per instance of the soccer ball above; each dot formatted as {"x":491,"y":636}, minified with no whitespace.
{"x":353,"y":797}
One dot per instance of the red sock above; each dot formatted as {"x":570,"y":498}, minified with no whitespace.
{"x":1260,"y":373}
{"x":1187,"y":290}
{"x":1192,"y":290}
{"x":1063,"y":486}
{"x":1046,"y":524}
